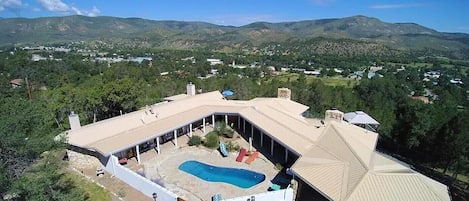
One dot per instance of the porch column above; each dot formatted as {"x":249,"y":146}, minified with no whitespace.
{"x":190,"y":130}
{"x":203,"y":125}
{"x":158,"y":145}
{"x":262,"y":138}
{"x":252,"y":132}
{"x":138,"y":153}
{"x":213,"y":120}
{"x":175,"y":138}
{"x":286,"y":155}
{"x":226,"y":119}
{"x":114,"y":165}
{"x":244,"y":126}
{"x":239,"y":122}
{"x":271,"y":146}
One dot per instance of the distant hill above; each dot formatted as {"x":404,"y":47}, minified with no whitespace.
{"x":180,"y":34}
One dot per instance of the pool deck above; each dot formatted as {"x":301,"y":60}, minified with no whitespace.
{"x":164,"y":167}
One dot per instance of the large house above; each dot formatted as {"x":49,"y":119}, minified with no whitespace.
{"x":329,"y":159}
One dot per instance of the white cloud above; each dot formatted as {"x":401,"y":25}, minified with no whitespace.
{"x":10,"y":4}
{"x":394,"y":6}
{"x":322,"y":2}
{"x":59,"y":6}
{"x":76,"y":10}
{"x":54,"y":5}
{"x":94,"y":12}
{"x":36,"y":9}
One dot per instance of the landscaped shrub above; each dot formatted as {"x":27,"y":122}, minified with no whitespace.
{"x":211,"y":140}
{"x":232,"y":146}
{"x":227,"y":132}
{"x":195,"y":141}
{"x":278,"y":166}
{"x":224,"y":130}
{"x":219,"y":126}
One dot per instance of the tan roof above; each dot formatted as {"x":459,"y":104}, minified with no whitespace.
{"x":398,"y":186}
{"x":337,"y":159}
{"x":16,"y":82}
{"x":326,"y":178}
{"x":125,"y":131}
{"x":176,"y":97}
{"x":360,"y":172}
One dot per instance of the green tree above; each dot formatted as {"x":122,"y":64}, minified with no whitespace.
{"x":46,"y":180}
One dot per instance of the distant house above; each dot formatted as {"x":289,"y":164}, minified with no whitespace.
{"x":357,"y":74}
{"x":285,"y":69}
{"x":373,"y":74}
{"x":234,"y":65}
{"x":456,"y":81}
{"x":37,"y":57}
{"x":376,"y":68}
{"x":338,"y":70}
{"x":362,"y":119}
{"x":421,"y":98}
{"x":16,"y":83}
{"x":432,"y":74}
{"x":192,"y":59}
{"x":214,"y":61}
{"x":140,"y":59}
{"x":315,"y":72}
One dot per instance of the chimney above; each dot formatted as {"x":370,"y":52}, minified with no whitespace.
{"x":334,"y":115}
{"x":74,"y":121}
{"x":190,"y":89}
{"x":284,"y":93}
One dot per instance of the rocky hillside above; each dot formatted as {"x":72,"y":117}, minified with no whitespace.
{"x":179,"y":34}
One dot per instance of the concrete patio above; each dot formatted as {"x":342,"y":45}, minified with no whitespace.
{"x":164,"y":168}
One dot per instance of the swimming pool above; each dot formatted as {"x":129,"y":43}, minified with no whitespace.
{"x":239,"y":177}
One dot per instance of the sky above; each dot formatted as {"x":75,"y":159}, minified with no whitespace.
{"x":441,"y":15}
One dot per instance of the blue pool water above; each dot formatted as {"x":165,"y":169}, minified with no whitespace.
{"x":238,"y":177}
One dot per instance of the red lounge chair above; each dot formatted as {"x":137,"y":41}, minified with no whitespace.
{"x":241,"y":155}
{"x":123,"y":161}
{"x":252,"y":157}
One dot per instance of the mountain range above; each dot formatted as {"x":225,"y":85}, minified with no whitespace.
{"x":185,"y":35}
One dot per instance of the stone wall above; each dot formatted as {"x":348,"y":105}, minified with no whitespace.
{"x":82,"y":161}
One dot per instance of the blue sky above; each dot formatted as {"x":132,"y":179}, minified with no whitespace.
{"x":441,"y":15}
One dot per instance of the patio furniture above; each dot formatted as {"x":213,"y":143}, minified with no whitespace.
{"x":274,"y":187}
{"x":123,"y":161}
{"x":252,"y":157}
{"x":223,"y":150}
{"x":241,"y":155}
{"x":216,"y":197}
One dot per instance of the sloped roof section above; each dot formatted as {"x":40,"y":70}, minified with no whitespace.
{"x":284,"y":105}
{"x":360,"y":117}
{"x":176,"y":97}
{"x":402,"y":187}
{"x":362,"y":142}
{"x":334,"y":143}
{"x":384,"y":163}
{"x":325,"y":177}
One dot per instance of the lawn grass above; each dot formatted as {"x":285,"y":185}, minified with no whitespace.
{"x":328,"y":81}
{"x":94,"y":192}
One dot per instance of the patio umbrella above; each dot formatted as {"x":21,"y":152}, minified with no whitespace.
{"x":227,"y":93}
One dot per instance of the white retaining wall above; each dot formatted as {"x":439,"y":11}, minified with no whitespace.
{"x":138,"y":182}
{"x":280,"y":195}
